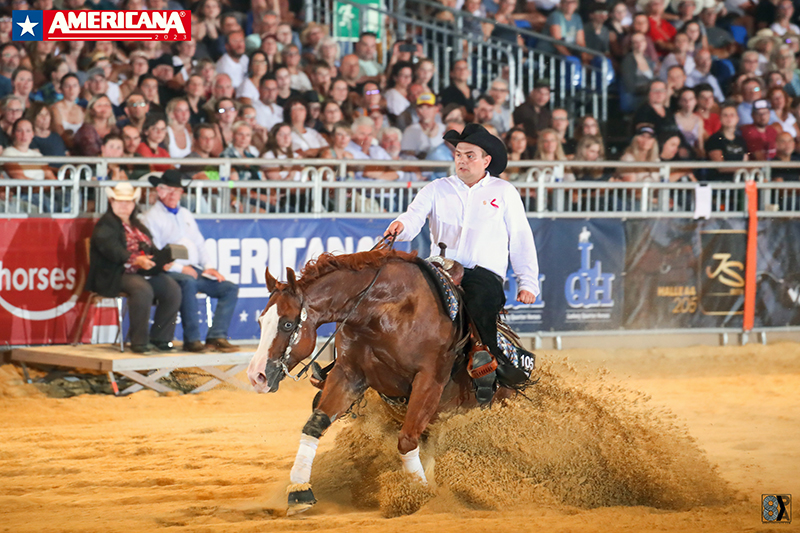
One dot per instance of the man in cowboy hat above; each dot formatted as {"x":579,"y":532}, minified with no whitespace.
{"x":482,"y":221}
{"x":172,"y":224}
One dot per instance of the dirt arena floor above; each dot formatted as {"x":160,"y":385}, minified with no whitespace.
{"x":634,"y":440}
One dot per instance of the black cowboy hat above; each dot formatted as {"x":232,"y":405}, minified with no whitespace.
{"x":170,"y":178}
{"x":479,"y":136}
{"x":164,"y":60}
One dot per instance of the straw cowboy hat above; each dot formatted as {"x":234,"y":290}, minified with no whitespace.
{"x":124,"y":192}
{"x":765,"y":34}
{"x":479,"y":136}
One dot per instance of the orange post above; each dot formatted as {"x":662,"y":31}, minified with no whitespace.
{"x":752,"y":252}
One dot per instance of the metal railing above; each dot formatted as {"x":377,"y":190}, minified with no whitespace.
{"x":333,"y":187}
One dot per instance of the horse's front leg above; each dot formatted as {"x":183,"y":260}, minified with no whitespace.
{"x":342,"y":388}
{"x":422,"y":405}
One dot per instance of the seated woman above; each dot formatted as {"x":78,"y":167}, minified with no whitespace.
{"x":340,"y":138}
{"x":241,"y":148}
{"x":518,"y":150}
{"x":45,"y":139}
{"x":690,"y":124}
{"x":155,"y":131}
{"x":643,"y":148}
{"x":308,"y":141}
{"x":121,"y":260}
{"x":279,"y":146}
{"x":590,"y":148}
{"x":68,"y":113}
{"x":21,"y":138}
{"x":100,"y":121}
{"x":548,"y":148}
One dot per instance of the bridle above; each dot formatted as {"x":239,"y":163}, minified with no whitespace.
{"x":295,"y":336}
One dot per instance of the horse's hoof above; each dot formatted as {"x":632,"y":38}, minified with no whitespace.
{"x":300,"y":501}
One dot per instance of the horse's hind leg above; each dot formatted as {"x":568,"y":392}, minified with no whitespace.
{"x":341,"y":390}
{"x":422,"y":405}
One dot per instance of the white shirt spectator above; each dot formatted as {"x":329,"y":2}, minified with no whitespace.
{"x":248,"y":90}
{"x":284,"y":173}
{"x":113,"y":92}
{"x":414,"y":140}
{"x":780,"y":31}
{"x":697,"y":78}
{"x":396,"y":103}
{"x":236,"y":70}
{"x":308,"y":141}
{"x":787,"y":125}
{"x":174,"y":151}
{"x":483,"y":225}
{"x":300,"y":82}
{"x":30,"y":173}
{"x":180,"y":228}
{"x":267,"y":115}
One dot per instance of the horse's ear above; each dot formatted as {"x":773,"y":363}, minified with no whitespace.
{"x":291,"y":280}
{"x":271,"y":281}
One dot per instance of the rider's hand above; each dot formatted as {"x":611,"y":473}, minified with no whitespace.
{"x":395,"y":228}
{"x":526,"y":297}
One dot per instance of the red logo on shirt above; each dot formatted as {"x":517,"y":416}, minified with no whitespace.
{"x":493,"y":204}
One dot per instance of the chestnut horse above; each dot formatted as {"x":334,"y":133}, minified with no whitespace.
{"x":397,"y":339}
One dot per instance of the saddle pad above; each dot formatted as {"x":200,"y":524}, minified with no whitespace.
{"x":519,"y":357}
{"x":446,"y":290}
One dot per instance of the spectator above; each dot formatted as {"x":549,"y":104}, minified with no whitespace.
{"x":121,"y":250}
{"x":113,"y":147}
{"x":419,"y":139}
{"x":784,"y":62}
{"x":643,"y":148}
{"x":585,"y":126}
{"x":195,"y":274}
{"x":759,"y":136}
{"x":534,"y":115}
{"x":268,"y":112}
{"x":367,"y":52}
{"x":590,"y":148}
{"x":370,"y":98}
{"x":148,"y":87}
{"x":285,"y":90}
{"x":560,"y":125}
{"x":131,"y":139}
{"x":154,"y":132}
{"x":195,"y":92}
{"x":233,"y":62}
{"x":208,"y":29}
{"x":702,"y":74}
{"x":459,"y":91}
{"x":654,"y":111}
{"x":99,"y":122}
{"x":784,"y":152}
{"x":721,"y":43}
{"x":205,"y":138}
{"x":306,"y":141}
{"x":55,"y":69}
{"x":444,"y":152}
{"x":310,"y":38}
{"x":484,"y":110}
{"x":690,"y":124}
{"x":670,"y":148}
{"x":22,"y":83}
{"x":681,"y":56}
{"x":727,"y":144}
{"x":565,"y":25}
{"x":260,"y":134}
{"x":518,"y":150}
{"x":12,"y":111}
{"x":641,"y":24}
{"x":686,"y":11}
{"x":502,"y":119}
{"x":139,"y":66}
{"x":349,"y":71}
{"x":222,"y":88}
{"x":783,"y":19}
{"x":9,"y":62}
{"x":340,"y":138}
{"x":362,"y":148}
{"x":279,"y":146}
{"x":285,"y":36}
{"x":257,"y":69}
{"x":136,"y":109}
{"x":179,"y":136}
{"x":339,"y":94}
{"x":705,"y":104}
{"x":549,"y":148}
{"x":328,"y":53}
{"x":321,"y":79}
{"x":781,"y":116}
{"x":697,"y":38}
{"x":242,"y":148}
{"x":752,"y":90}
{"x":617,"y":31}
{"x":749,"y":64}
{"x":269,"y":47}
{"x":661,"y":31}
{"x":21,"y":139}
{"x":637,"y":70}
{"x":774,"y":80}
{"x":423,"y":74}
{"x":184,"y":56}
{"x":163,"y":70}
{"x":48,"y":142}
{"x":331,"y":115}
{"x":263,"y":27}
{"x":298,"y":79}
{"x":597,"y":33}
{"x":397,"y":94}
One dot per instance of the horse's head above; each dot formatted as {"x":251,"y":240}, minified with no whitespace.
{"x":287,"y":336}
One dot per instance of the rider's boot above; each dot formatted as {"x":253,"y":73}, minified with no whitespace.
{"x":483,"y":373}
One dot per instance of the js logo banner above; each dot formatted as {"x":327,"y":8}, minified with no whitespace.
{"x":776,"y":508}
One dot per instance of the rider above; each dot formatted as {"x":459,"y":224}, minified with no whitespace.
{"x":481,"y":220}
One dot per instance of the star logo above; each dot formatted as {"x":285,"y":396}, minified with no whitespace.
{"x":243,"y":316}
{"x":27,"y":26}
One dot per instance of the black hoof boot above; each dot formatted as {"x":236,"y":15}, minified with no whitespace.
{"x":316,"y":400}
{"x":484,"y":386}
{"x":301,"y":499}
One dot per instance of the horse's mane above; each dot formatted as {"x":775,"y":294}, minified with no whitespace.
{"x":327,"y":263}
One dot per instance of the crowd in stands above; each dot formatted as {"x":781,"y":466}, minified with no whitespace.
{"x":700,"y":79}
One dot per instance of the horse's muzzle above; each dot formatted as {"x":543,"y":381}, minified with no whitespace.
{"x":269,"y":379}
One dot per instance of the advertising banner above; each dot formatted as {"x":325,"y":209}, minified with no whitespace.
{"x":684,"y":273}
{"x":778,"y":273}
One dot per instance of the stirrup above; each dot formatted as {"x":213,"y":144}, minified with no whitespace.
{"x":319,"y":374}
{"x":481,"y":368}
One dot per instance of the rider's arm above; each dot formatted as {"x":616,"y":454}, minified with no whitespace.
{"x":522,"y":250}
{"x":419,"y":209}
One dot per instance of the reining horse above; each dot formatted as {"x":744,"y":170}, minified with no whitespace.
{"x":397,"y":339}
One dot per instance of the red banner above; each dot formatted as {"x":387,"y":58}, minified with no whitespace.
{"x":43,"y":269}
{"x":89,"y":25}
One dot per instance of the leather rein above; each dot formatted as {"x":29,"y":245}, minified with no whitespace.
{"x":304,"y":314}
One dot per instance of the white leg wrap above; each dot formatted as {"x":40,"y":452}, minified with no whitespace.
{"x":412,"y":464}
{"x":301,"y":471}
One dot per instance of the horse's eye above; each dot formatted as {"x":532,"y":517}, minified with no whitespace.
{"x":288,"y":326}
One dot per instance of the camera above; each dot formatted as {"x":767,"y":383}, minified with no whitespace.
{"x":408,"y":46}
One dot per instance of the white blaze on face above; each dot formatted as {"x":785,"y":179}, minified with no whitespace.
{"x":269,"y":330}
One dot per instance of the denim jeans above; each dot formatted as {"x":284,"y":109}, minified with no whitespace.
{"x":226,"y":294}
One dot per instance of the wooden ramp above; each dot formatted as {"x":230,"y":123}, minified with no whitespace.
{"x":144,"y":370}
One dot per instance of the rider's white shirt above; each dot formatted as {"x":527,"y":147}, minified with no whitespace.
{"x":483,"y":225}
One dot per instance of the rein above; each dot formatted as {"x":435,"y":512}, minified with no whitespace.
{"x":295,"y":334}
